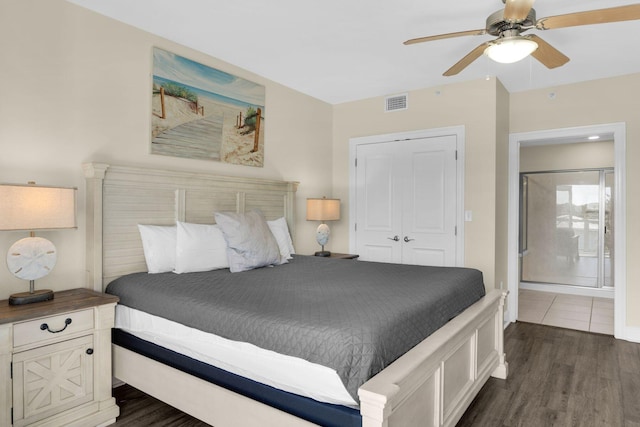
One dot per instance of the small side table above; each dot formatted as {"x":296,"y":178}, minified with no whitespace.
{"x":55,"y":361}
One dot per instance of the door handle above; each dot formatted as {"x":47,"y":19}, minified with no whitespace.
{"x":394,"y":238}
{"x":407,"y":239}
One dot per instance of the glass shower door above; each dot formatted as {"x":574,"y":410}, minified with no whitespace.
{"x":568,"y":228}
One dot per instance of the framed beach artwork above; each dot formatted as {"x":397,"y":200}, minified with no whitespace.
{"x":199,"y":112}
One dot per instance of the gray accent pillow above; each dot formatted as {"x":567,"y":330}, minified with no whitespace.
{"x":250,"y":243}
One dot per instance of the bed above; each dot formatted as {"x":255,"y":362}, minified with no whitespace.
{"x":431,"y":384}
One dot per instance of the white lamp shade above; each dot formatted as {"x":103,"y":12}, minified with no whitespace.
{"x":35,"y":207}
{"x":510,"y":49}
{"x":323,"y":209}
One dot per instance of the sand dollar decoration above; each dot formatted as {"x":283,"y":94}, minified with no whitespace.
{"x":31,"y":258}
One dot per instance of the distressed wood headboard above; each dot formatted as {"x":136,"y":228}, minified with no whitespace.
{"x":119,"y":198}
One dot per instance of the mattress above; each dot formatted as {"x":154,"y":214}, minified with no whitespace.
{"x":353,"y":317}
{"x":284,"y":372}
{"x":323,"y":414}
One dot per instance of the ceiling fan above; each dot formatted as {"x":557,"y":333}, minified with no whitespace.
{"x":517,"y":17}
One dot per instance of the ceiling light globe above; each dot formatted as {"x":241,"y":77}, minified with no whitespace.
{"x":510,"y":49}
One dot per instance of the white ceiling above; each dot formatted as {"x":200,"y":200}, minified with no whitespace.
{"x":344,"y":50}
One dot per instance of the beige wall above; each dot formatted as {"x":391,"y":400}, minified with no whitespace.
{"x":502,"y":186}
{"x":75,"y":87}
{"x":583,"y":155}
{"x":472,"y":104}
{"x":603,"y":101}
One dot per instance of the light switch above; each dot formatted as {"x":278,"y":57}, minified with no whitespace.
{"x":468,"y":216}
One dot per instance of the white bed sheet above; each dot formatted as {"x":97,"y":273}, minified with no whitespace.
{"x":287,"y":373}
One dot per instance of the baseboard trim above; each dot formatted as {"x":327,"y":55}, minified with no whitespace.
{"x":632,"y":334}
{"x":568,"y":289}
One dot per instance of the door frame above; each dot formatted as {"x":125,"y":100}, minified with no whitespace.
{"x":560,"y":136}
{"x":457,"y":131}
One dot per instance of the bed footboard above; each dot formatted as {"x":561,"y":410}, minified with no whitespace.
{"x":435,"y":382}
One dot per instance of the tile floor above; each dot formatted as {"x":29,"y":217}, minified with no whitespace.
{"x":566,"y":311}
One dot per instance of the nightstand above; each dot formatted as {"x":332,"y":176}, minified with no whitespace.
{"x":343,"y":256}
{"x":55,"y":361}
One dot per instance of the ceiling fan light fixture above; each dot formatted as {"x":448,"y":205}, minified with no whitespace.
{"x":508,"y":50}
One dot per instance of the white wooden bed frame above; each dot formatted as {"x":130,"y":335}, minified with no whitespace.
{"x":431,"y":385}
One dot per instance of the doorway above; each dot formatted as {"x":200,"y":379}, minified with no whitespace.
{"x":615,"y":132}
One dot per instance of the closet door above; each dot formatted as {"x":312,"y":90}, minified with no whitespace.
{"x":429,"y":202}
{"x":379,"y":208}
{"x":406,"y":201}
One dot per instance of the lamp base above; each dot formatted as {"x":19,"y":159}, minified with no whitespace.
{"x":323,"y":253}
{"x":31,"y":297}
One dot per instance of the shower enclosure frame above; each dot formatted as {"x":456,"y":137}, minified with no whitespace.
{"x":600,"y":277}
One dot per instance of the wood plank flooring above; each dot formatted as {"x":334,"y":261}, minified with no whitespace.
{"x":557,"y":377}
{"x":561,"y":377}
{"x":141,"y":410}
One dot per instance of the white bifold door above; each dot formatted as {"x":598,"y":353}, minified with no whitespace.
{"x":406,"y":201}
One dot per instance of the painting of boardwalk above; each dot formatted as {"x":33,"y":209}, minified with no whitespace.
{"x":200,"y":112}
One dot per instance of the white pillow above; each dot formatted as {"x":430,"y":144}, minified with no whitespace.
{"x":199,"y":247}
{"x":250,"y":243}
{"x":159,"y":245}
{"x":281,"y":232}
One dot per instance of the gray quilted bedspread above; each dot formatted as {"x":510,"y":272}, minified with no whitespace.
{"x":353,"y":316}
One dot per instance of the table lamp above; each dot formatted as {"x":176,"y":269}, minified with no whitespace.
{"x":34,"y":207}
{"x":323,"y":210}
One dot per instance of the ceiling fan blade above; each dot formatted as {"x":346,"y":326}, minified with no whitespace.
{"x":548,"y":55}
{"x":446,"y":36}
{"x":600,"y":16}
{"x":517,"y":10}
{"x":464,"y":62}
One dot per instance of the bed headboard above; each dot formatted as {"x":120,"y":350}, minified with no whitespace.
{"x":119,"y":198}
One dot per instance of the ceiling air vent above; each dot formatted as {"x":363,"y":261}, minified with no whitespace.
{"x":396,"y":102}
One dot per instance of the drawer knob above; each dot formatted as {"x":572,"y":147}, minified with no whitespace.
{"x":45,"y":327}
{"x":89,"y":351}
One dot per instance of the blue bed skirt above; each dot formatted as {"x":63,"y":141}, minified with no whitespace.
{"x":323,"y":414}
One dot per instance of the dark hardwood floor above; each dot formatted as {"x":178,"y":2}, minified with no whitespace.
{"x":561,"y":377}
{"x":557,"y":377}
{"x":140,"y":410}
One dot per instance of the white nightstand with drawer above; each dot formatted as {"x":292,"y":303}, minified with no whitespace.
{"x":55,"y":361}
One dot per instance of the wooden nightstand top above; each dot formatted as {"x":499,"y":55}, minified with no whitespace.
{"x":343,"y":256}
{"x":63,"y":301}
